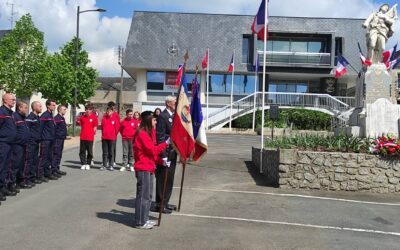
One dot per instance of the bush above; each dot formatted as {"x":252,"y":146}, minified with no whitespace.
{"x":77,"y":131}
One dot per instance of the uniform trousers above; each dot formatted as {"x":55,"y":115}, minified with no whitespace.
{"x":32,"y":158}
{"x":5,"y":156}
{"x":108,"y":152}
{"x":18,"y":171}
{"x":46,"y":154}
{"x":160,"y":177}
{"x":144,"y":189}
{"x":57,"y":154}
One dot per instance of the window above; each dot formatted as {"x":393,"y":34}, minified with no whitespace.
{"x":155,"y":80}
{"x":246,"y":48}
{"x":286,"y":87}
{"x":338,"y":47}
{"x":221,"y":84}
{"x":189,"y":79}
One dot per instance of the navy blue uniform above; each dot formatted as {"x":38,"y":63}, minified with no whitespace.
{"x":7,"y":136}
{"x":47,"y":136}
{"x":32,"y":149}
{"x":60,"y":135}
{"x":17,"y":170}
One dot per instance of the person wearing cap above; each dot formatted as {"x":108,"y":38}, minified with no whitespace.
{"x":109,"y":131}
{"x":146,"y":154}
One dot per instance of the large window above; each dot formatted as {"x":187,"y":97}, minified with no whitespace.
{"x":294,"y":45}
{"x":246,"y":48}
{"x":221,"y":84}
{"x":288,"y":87}
{"x":155,"y":80}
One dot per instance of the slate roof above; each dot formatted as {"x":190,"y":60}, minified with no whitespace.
{"x":114,"y":83}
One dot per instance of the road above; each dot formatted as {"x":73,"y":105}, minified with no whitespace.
{"x":225,"y":205}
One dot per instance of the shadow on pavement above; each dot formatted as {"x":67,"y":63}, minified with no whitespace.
{"x":125,"y":218}
{"x":127,"y":203}
{"x":259,"y":178}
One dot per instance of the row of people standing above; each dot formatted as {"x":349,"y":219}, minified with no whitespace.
{"x":31,"y":145}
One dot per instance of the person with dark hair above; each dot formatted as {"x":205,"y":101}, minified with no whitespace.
{"x":109,"y":132}
{"x":18,"y":172}
{"x":88,"y":123}
{"x":146,"y":154}
{"x":8,"y":132}
{"x":157,"y":112}
{"x":127,"y":129}
{"x":32,"y":150}
{"x":60,"y":136}
{"x":47,"y":135}
{"x":115,"y":115}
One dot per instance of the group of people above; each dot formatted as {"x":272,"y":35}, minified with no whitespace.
{"x":22,"y":164}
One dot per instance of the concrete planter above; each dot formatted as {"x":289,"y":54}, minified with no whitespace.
{"x":293,"y":169}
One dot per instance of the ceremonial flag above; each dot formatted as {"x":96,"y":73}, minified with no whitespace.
{"x":179,"y":76}
{"x":342,"y":63}
{"x":204,"y":62}
{"x":364,"y":60}
{"x":182,"y":130}
{"x":259,"y":21}
{"x":388,"y":55}
{"x":199,"y":131}
{"x":231,"y":65}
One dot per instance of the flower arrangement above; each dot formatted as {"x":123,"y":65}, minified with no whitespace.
{"x":385,"y":145}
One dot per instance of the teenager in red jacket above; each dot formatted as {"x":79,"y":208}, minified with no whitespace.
{"x":127,"y":129}
{"x":146,"y":154}
{"x":88,"y":123}
{"x":110,"y":128}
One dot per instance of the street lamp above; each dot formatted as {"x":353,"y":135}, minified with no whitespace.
{"x":78,"y":11}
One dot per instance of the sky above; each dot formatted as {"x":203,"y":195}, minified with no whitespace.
{"x":102,"y":33}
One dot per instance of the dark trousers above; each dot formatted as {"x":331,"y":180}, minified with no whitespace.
{"x":86,"y":147}
{"x":32,"y":157}
{"x":115,"y":150}
{"x":5,"y":156}
{"x":144,"y":189}
{"x":17,"y":170}
{"x":160,"y":176}
{"x":57,"y":154}
{"x":46,"y":154}
{"x":108,"y":152}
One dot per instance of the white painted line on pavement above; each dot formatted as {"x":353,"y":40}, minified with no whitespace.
{"x":293,"y":195}
{"x":289,"y":224}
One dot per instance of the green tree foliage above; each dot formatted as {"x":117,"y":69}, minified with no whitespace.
{"x":22,"y":58}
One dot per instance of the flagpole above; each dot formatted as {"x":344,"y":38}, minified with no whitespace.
{"x":233,"y":75}
{"x":255,"y":93}
{"x":263,"y":85}
{"x":181,"y":190}
{"x":207,"y":79}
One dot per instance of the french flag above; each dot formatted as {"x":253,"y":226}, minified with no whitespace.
{"x":204,"y":62}
{"x":259,"y":20}
{"x":342,"y":63}
{"x":388,"y":55}
{"x":364,"y":60}
{"x":179,"y":76}
{"x":393,"y":64}
{"x":199,"y":130}
{"x":231,"y":65}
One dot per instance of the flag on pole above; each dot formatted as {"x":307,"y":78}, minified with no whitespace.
{"x":393,"y":64}
{"x":259,"y":21}
{"x":182,"y":130}
{"x":199,"y":131}
{"x":364,"y":60}
{"x":342,"y":63}
{"x":231,"y":65}
{"x":204,"y":62}
{"x":179,"y":76}
{"x":388,"y":55}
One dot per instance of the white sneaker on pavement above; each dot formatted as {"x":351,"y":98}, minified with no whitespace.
{"x":122,"y":169}
{"x":111,"y":168}
{"x":132,"y":169}
{"x":87,"y":167}
{"x":102,"y":168}
{"x":83,"y":167}
{"x":153,"y":223}
{"x":145,"y":226}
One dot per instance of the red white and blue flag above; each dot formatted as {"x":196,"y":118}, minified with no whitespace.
{"x":260,"y":20}
{"x":393,"y":64}
{"x":204,"y":62}
{"x":199,"y":130}
{"x":179,"y":76}
{"x":182,"y":130}
{"x":342,"y":63}
{"x":388,"y":55}
{"x":231,"y":65}
{"x":364,"y":60}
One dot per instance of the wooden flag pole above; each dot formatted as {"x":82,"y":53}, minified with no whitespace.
{"x":182,"y":180}
{"x":162,"y":197}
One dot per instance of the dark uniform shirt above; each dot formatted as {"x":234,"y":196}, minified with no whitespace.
{"x":7,"y":125}
{"x":33,"y":123}
{"x":47,"y":127}
{"x":23,"y":134}
{"x":61,"y":127}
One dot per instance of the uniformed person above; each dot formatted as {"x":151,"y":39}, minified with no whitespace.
{"x":60,"y":135}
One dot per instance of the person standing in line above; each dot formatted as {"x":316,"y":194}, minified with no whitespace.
{"x":116,"y":116}
{"x":127,"y":129}
{"x":109,"y":132}
{"x":60,"y":136}
{"x":47,"y":135}
{"x":8,"y":132}
{"x":18,"y":173}
{"x":157,"y":112}
{"x":88,"y":123}
{"x":146,"y":154}
{"x":32,"y":150}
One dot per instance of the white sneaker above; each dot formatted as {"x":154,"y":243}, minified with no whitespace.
{"x":92,"y":163}
{"x":83,"y":167}
{"x":153,"y":223}
{"x":122,"y":169}
{"x":87,"y":167}
{"x":114,"y":164}
{"x":145,"y":226}
{"x":102,"y":168}
{"x":132,"y":169}
{"x":111,"y":168}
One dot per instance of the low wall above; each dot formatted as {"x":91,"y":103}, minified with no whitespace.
{"x":293,"y":169}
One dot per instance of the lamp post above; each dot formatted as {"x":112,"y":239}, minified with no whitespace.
{"x":78,"y":11}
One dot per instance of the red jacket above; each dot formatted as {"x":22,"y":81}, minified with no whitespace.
{"x":88,"y":125}
{"x":128,"y":128}
{"x":110,"y":127}
{"x":146,"y":153}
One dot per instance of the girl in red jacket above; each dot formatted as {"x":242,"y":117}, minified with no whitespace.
{"x":146,"y":153}
{"x":109,"y":132}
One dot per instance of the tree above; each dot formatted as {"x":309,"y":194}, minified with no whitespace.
{"x":62,"y":81}
{"x":22,"y":58}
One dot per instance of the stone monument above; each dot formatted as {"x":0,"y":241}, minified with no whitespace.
{"x":376,"y":111}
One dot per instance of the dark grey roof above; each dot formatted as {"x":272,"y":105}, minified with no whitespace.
{"x":151,"y":34}
{"x":114,"y":83}
{"x":4,"y":32}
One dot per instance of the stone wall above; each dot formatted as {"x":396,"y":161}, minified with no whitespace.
{"x":332,"y":170}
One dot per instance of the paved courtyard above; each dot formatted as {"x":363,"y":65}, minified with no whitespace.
{"x":225,"y":206}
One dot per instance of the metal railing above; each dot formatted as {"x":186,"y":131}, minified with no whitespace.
{"x":279,"y":57}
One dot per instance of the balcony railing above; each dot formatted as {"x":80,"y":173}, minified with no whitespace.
{"x":295,"y":58}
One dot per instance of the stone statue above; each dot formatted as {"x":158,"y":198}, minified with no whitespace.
{"x":380,"y":26}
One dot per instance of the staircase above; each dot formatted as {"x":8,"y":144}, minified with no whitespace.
{"x":321,"y":102}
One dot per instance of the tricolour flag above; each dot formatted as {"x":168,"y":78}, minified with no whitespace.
{"x":259,"y":21}
{"x":199,"y":131}
{"x":182,"y":130}
{"x":388,"y":55}
{"x":342,"y":63}
{"x":179,"y":76}
{"x":364,"y":60}
{"x":231,"y":65}
{"x":204,"y":62}
{"x":393,"y":64}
